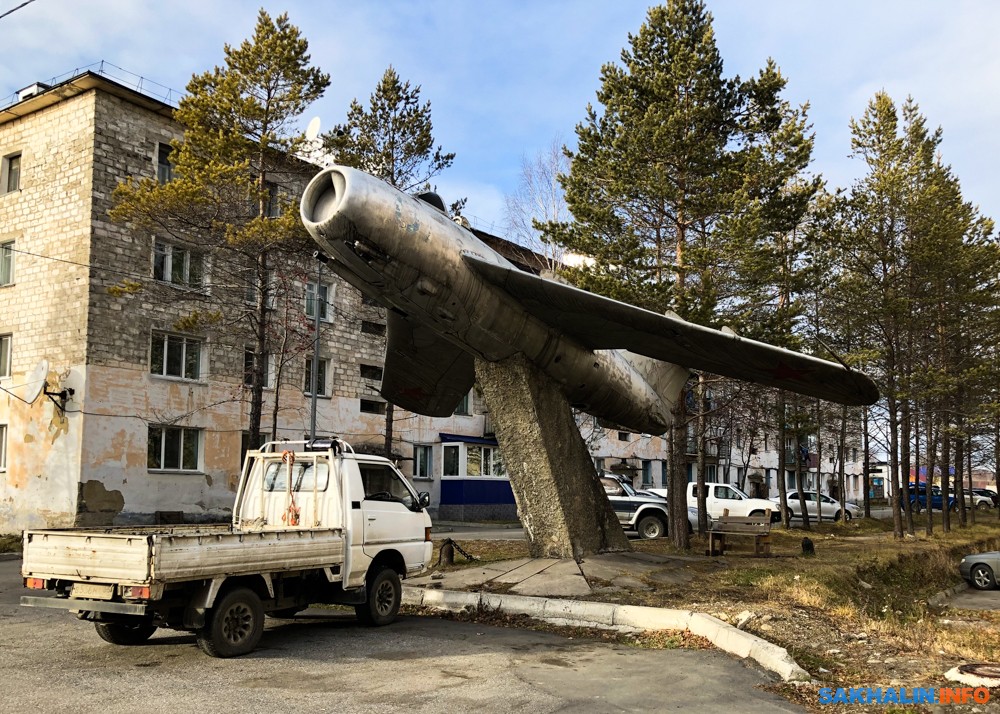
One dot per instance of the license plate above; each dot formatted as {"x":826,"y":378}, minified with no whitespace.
{"x":93,"y":591}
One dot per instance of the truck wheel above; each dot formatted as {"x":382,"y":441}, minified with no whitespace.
{"x":651,"y":527}
{"x":235,"y":625}
{"x":124,"y":633}
{"x":983,"y":506}
{"x":383,"y":598}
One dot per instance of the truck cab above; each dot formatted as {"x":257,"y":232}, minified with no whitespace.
{"x":721,"y":497}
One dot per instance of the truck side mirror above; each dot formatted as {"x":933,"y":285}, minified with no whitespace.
{"x":423,"y":499}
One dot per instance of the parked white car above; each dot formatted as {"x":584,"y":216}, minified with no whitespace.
{"x":723,"y":497}
{"x":830,"y":507}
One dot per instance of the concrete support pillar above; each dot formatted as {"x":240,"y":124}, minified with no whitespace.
{"x":559,"y":498}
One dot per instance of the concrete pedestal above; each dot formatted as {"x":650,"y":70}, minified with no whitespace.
{"x":559,"y":498}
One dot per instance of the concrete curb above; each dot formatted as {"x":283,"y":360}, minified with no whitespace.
{"x":937,"y":598}
{"x":618,"y":617}
{"x":10,"y":556}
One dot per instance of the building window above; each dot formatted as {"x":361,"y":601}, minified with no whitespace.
{"x":450,"y":461}
{"x":321,"y":372}
{"x":175,"y":356}
{"x":177,"y":265}
{"x":423,"y":461}
{"x":647,"y":472}
{"x":164,"y":169}
{"x":5,"y":355}
{"x":622,"y":436}
{"x":472,"y":460}
{"x":372,"y":406}
{"x":272,"y":203}
{"x":249,"y":362}
{"x":372,"y":328}
{"x":599,"y":464}
{"x":7,"y":263}
{"x":10,"y":173}
{"x":324,"y":301}
{"x":173,"y":448}
{"x":463,"y":406}
{"x":245,"y":447}
{"x":372,"y":372}
{"x":250,"y":288}
{"x":3,"y":447}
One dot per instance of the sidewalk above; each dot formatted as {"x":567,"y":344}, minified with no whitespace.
{"x":550,"y":577}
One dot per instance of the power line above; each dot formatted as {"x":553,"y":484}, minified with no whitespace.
{"x":26,"y":2}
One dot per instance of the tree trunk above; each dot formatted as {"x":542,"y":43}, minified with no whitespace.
{"x":782,"y":438}
{"x":866,"y":478}
{"x":678,"y":476}
{"x":560,"y":500}
{"x":699,"y":436}
{"x":389,"y":416}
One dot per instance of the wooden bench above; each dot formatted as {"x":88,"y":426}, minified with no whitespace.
{"x":757,"y":527}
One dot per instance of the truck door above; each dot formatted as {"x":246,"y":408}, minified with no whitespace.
{"x":725,"y":498}
{"x":390,"y":513}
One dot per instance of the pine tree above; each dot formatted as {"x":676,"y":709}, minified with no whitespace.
{"x":235,"y":184}
{"x":678,"y":167}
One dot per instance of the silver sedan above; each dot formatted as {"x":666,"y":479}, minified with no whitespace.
{"x":980,"y":569}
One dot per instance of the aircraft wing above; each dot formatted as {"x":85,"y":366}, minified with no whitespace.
{"x":424,"y":373}
{"x":601,"y":323}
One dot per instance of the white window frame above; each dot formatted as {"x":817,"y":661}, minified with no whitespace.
{"x":423,"y":461}
{"x":164,"y":171}
{"x":269,"y":368}
{"x":3,"y":447}
{"x":185,"y":434}
{"x":325,"y":302}
{"x":464,"y":407}
{"x":6,"y":354}
{"x":7,"y":262}
{"x":169,"y":339}
{"x":10,"y":179}
{"x":322,"y":377}
{"x":163,"y":268}
{"x":489,"y":459}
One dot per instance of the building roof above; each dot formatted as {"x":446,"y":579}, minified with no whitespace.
{"x":40,"y":95}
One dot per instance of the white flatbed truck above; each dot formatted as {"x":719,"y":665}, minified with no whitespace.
{"x":313,"y":522}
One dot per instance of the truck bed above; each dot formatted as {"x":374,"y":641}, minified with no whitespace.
{"x":146,"y":554}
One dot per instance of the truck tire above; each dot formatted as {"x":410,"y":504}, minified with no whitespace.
{"x":235,"y":625}
{"x":125,"y":633}
{"x":983,"y":506}
{"x":651,"y":527}
{"x":384,"y":595}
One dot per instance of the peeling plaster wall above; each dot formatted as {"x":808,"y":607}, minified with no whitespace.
{"x":44,"y":310}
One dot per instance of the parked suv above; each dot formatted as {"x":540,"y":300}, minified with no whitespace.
{"x":645,"y":514}
{"x":918,"y":498}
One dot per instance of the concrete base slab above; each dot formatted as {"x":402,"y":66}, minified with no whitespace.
{"x":563,"y":579}
{"x":525,"y":571}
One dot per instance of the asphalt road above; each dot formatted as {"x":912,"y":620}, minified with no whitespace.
{"x":972,"y":599}
{"x":323,"y":661}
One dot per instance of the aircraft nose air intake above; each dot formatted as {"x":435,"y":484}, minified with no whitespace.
{"x":323,"y":196}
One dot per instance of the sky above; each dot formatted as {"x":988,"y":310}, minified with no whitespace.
{"x":507,"y":79}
